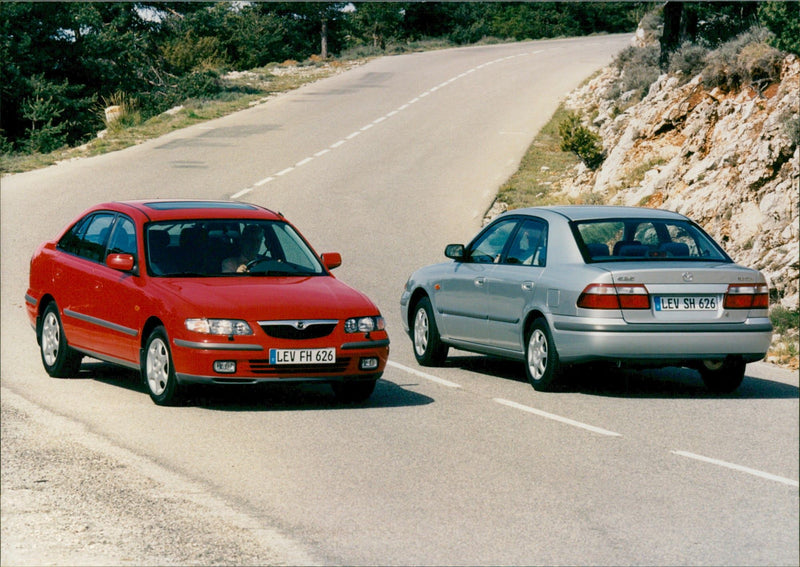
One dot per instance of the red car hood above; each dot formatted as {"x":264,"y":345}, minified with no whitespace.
{"x":268,"y":298}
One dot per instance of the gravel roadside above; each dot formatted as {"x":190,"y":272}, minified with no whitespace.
{"x":69,"y":497}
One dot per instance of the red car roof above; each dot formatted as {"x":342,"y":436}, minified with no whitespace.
{"x":174,"y":209}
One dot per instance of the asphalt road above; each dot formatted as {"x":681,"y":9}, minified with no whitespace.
{"x":465,"y":464}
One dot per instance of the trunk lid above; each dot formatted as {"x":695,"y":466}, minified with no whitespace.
{"x":684,"y":292}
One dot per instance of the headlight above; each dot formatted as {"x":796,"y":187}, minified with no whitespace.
{"x":364,"y":324}
{"x":219,"y":326}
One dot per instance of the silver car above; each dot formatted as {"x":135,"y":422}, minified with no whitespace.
{"x":559,"y":286}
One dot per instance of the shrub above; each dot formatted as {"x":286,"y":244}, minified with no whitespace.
{"x":638,"y":70}
{"x":583,"y":142}
{"x":760,"y":64}
{"x":189,"y":52}
{"x":129,"y":113}
{"x":688,"y":60}
{"x":784,"y":319}
{"x":199,"y":84}
{"x":746,"y":60}
{"x":47,"y":131}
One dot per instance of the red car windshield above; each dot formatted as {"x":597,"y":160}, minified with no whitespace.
{"x":228,"y":248}
{"x":645,"y":239}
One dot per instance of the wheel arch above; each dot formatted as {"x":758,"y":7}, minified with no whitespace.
{"x":532,"y":315}
{"x":416,"y":297}
{"x":151,"y":323}
{"x":43,"y":304}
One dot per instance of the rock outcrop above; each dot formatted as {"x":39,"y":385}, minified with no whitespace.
{"x":726,"y":160}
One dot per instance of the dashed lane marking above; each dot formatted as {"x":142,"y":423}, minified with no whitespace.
{"x":555,"y":417}
{"x":739,"y":468}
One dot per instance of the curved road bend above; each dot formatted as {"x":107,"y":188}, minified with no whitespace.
{"x":464,"y":464}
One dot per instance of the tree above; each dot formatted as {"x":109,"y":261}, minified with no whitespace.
{"x":783,"y":20}
{"x":309,"y":24}
{"x":378,"y":21}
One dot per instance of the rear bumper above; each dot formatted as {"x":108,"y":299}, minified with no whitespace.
{"x":613,"y":339}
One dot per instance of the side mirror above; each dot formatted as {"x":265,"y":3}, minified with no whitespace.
{"x":332,"y":260}
{"x":121,"y":262}
{"x":455,"y":251}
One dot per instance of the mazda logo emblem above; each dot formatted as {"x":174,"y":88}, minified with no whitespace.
{"x":687,"y":276}
{"x":300,"y":325}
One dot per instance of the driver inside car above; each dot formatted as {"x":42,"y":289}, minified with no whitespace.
{"x":250,"y":244}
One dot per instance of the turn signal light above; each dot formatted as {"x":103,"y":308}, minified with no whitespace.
{"x":747,"y":296}
{"x":610,"y":296}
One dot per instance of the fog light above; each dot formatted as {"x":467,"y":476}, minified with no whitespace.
{"x":225,"y":366}
{"x":368,"y":363}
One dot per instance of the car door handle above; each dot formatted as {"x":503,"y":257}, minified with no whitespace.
{"x":527,"y":286}
{"x":479,"y":282}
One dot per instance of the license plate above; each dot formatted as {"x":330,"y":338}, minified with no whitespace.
{"x":302,"y":355}
{"x":687,"y":303}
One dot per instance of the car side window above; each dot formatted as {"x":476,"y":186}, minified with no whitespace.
{"x":123,"y":241}
{"x":71,"y":241}
{"x":88,"y":238}
{"x":489,"y":246}
{"x":529,"y":247}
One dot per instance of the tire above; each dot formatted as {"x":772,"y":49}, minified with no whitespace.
{"x":541,"y":358}
{"x":722,"y":377}
{"x":355,"y":391}
{"x":59,"y":360}
{"x":429,"y":349}
{"x":158,"y":372}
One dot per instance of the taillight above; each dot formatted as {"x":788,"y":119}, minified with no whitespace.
{"x":747,"y":296}
{"x":610,"y":296}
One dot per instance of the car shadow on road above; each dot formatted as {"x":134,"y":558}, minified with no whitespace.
{"x":260,"y":397}
{"x":608,"y":381}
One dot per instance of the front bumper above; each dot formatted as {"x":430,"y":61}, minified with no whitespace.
{"x":361,"y":359}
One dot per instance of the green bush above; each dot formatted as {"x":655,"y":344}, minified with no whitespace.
{"x":199,"y":84}
{"x":784,"y":319}
{"x":190,"y":52}
{"x":580,"y":140}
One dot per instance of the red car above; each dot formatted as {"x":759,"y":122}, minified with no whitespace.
{"x":193,"y":292}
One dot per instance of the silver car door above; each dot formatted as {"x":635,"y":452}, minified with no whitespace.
{"x":462,"y":299}
{"x":512,"y":285}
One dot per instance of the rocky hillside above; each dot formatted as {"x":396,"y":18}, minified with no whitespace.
{"x":726,"y":160}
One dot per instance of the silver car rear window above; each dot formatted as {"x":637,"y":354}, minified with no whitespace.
{"x":627,"y":240}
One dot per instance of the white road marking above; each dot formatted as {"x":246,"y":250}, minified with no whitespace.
{"x":555,"y":417}
{"x":263,"y":181}
{"x":353,"y":135}
{"x":337,"y":144}
{"x":284,"y":172}
{"x":322,"y":152}
{"x":430,"y":377}
{"x":241,"y":193}
{"x":302,"y":162}
{"x":739,"y":468}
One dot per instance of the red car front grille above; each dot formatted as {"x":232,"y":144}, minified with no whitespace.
{"x":262,"y":366}
{"x":312,"y":331}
